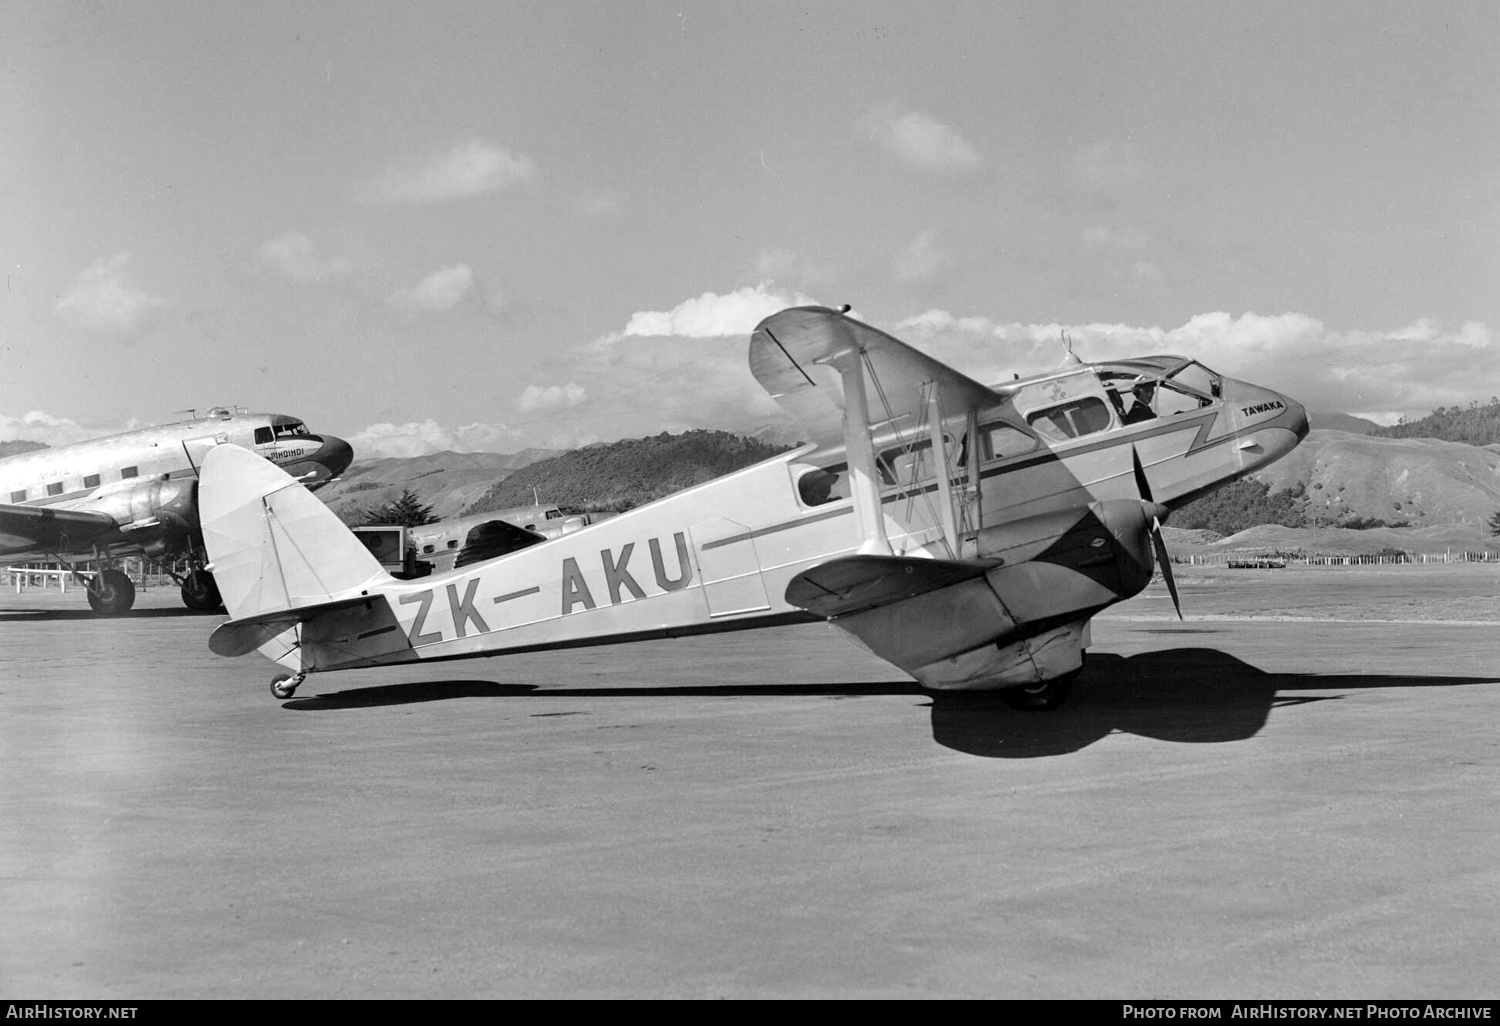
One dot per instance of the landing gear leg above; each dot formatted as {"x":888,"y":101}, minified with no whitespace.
{"x":200,"y":591}
{"x":111,"y":593}
{"x":284,"y":685}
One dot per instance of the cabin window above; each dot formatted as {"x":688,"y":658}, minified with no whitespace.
{"x":18,"y":496}
{"x":997,"y":441}
{"x":824,"y":484}
{"x":91,"y":481}
{"x":1071,"y":419}
{"x":128,"y":472}
{"x":426,"y":549}
{"x":263,"y":436}
{"x":553,"y":514}
{"x":55,"y":488}
{"x":453,"y":543}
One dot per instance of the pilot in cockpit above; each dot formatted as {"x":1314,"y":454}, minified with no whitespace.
{"x":1142,"y":395}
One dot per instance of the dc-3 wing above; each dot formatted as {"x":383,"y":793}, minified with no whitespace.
{"x":44,"y":529}
{"x":791,"y":355}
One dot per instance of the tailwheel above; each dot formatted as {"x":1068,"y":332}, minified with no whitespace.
{"x":200,"y":591}
{"x":1047,"y":695}
{"x":284,"y":685}
{"x":111,"y":593}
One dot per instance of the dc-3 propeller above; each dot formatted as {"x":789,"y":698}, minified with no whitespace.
{"x":1158,"y":543}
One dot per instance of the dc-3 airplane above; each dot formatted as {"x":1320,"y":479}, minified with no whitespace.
{"x":964,"y":533}
{"x":137,"y":494}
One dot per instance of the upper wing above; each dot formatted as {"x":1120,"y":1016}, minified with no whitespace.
{"x":46,"y":530}
{"x":789,"y":353}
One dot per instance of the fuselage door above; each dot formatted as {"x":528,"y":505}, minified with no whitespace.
{"x":197,"y":448}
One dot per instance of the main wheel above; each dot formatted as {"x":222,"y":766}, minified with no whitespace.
{"x":111,"y":593}
{"x":1040,"y":697}
{"x":200,"y":591}
{"x":284,"y":685}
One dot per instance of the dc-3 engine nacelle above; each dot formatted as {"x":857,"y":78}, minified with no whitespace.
{"x":157,"y":503}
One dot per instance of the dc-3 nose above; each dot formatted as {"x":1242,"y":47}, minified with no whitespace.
{"x":328,"y":461}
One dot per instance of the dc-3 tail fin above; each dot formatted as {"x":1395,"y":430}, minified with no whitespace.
{"x":271,"y":544}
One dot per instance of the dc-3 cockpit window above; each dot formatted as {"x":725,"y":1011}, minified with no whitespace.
{"x":292,"y":429}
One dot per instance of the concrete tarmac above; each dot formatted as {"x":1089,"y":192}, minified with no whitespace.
{"x":1234,"y":809}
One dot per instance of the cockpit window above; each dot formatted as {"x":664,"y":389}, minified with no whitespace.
{"x":1200,"y":379}
{"x":1071,"y":419}
{"x":293,"y":429}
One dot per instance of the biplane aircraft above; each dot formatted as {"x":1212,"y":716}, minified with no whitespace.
{"x":964,"y":533}
{"x":136,"y":494}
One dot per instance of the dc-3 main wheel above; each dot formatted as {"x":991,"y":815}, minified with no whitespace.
{"x":1040,"y":697}
{"x":200,"y":591}
{"x":284,"y":685}
{"x":111,"y":593}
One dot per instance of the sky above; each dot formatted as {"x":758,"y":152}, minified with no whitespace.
{"x":492,"y":226}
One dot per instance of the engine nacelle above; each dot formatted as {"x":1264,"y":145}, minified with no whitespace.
{"x":156,"y":513}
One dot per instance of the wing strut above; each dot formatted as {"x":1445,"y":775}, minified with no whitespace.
{"x":864,"y":486}
{"x":940,"y":467}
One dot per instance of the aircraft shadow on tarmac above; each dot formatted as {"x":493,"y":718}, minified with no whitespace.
{"x":1189,"y":695}
{"x":14,"y":615}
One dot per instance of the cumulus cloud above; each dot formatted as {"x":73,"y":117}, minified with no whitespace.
{"x":711,"y":315}
{"x":440,"y":291}
{"x":101,"y":299}
{"x":467,"y":170}
{"x":918,"y":140}
{"x":418,"y":438}
{"x":40,"y":426}
{"x":1409,"y":370}
{"x":920,"y":259}
{"x":554,"y":397}
{"x":294,"y":255}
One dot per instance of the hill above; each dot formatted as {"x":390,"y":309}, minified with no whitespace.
{"x":616,"y":476}
{"x":447,"y":481}
{"x":1422,"y":481}
{"x":16,"y":446}
{"x":1342,"y":422}
{"x":1473,"y":424}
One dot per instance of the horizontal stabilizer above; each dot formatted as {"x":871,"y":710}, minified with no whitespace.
{"x":850,"y":584}
{"x":243,"y":636}
{"x":789,"y":354}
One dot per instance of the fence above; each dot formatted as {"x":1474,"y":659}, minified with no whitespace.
{"x":1405,"y":558}
{"x":46,"y":575}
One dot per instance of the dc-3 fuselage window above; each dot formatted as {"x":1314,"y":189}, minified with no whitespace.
{"x":55,"y":488}
{"x":128,"y":472}
{"x":264,"y":436}
{"x":18,"y":496}
{"x":91,"y":481}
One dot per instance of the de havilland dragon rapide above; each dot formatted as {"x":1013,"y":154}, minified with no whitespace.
{"x":963,"y":532}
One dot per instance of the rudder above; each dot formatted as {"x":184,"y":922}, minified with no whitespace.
{"x":271,"y":544}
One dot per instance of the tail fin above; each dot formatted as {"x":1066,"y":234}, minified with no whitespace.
{"x":271,"y":544}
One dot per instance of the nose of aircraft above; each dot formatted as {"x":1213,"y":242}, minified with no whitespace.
{"x":1271,"y":423}
{"x":328,"y":461}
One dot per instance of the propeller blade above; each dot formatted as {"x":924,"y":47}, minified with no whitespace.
{"x":1141,"y":484}
{"x":1158,"y":543}
{"x":1164,"y":560}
